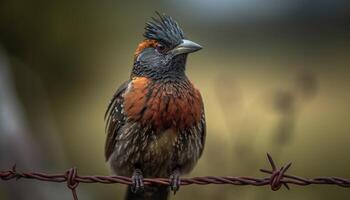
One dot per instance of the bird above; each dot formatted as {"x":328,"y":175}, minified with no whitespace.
{"x":155,"y":121}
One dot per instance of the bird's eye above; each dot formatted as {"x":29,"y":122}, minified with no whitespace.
{"x":160,"y":48}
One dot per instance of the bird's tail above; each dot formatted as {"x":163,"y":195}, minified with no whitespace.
{"x":150,"y":192}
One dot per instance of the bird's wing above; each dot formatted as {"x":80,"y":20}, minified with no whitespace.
{"x":199,"y":130}
{"x":203,"y":128}
{"x":115,"y":118}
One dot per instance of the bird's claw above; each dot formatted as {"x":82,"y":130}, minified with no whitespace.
{"x":137,"y":181}
{"x":175,"y":181}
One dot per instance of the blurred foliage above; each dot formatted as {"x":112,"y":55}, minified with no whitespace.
{"x":273,"y":82}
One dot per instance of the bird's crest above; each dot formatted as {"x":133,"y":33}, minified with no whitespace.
{"x":165,"y":30}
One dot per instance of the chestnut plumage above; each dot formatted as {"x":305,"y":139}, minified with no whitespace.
{"x":155,"y":122}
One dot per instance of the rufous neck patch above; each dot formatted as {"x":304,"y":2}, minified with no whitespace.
{"x":144,"y":44}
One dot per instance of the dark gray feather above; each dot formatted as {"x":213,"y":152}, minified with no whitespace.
{"x":165,"y":30}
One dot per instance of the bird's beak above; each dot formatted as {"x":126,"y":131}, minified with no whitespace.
{"x":185,"y":47}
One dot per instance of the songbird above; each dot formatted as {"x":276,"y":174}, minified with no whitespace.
{"x":155,"y":122}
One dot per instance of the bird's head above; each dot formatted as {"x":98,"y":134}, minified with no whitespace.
{"x":164,"y":51}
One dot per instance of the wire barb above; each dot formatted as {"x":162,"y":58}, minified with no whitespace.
{"x":72,"y":183}
{"x":277,"y":177}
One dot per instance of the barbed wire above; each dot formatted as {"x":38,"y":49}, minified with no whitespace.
{"x":276,"y":179}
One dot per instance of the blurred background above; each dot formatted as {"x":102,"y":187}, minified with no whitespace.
{"x":274,"y":75}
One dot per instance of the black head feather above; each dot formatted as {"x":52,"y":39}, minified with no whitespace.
{"x":165,"y":30}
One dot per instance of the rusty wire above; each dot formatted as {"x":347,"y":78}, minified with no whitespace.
{"x":277,"y":178}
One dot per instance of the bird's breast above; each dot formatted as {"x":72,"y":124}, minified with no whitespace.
{"x":163,"y":105}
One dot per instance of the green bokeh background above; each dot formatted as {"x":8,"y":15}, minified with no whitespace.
{"x":274,"y":77}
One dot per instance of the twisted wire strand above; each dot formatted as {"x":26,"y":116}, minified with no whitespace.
{"x":276,"y":179}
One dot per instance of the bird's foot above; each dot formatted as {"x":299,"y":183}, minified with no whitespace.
{"x":137,"y":181}
{"x":175,"y":181}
